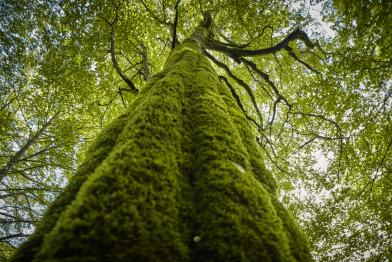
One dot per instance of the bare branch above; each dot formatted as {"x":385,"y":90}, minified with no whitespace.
{"x":238,"y":100}
{"x":122,"y":98}
{"x":272,"y":159}
{"x":274,"y":112}
{"x":8,"y":215}
{"x":317,"y":136}
{"x":293,"y":55}
{"x":307,"y":142}
{"x":104,"y":19}
{"x":114,"y":60}
{"x":285,"y":121}
{"x":40,"y":152}
{"x":24,"y":116}
{"x":133,"y":65}
{"x":27,"y":189}
{"x":259,"y":83}
{"x":29,"y":209}
{"x":338,"y":128}
{"x":266,"y":79}
{"x":5,"y":221}
{"x":11,"y":195}
{"x":5,"y":238}
{"x":241,"y":83}
{"x":238,"y":52}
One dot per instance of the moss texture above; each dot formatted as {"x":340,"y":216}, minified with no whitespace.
{"x":177,"y":178}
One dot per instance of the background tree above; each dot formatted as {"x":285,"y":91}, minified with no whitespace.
{"x":331,"y":101}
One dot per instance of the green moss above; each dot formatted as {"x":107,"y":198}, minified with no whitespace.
{"x":182,"y":180}
{"x":299,"y":247}
{"x":235,"y":218}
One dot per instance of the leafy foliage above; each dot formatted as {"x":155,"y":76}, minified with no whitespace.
{"x":323,"y":114}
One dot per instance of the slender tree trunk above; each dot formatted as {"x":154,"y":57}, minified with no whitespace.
{"x":177,"y":178}
{"x":22,"y":151}
{"x":146,"y":66}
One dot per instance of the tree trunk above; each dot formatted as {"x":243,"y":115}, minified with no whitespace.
{"x":4,"y":171}
{"x":177,"y":178}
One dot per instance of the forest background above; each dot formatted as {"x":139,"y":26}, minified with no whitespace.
{"x":322,"y":112}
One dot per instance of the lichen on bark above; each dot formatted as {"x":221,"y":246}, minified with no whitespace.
{"x":179,"y":177}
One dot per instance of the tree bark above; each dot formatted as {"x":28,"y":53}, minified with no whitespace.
{"x":146,"y":66}
{"x":178,"y":178}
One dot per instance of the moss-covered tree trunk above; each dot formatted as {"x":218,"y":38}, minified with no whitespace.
{"x":179,"y":177}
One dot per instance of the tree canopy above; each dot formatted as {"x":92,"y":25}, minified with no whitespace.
{"x":312,"y":78}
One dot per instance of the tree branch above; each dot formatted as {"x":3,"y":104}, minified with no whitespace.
{"x":7,"y":103}
{"x":229,"y":42}
{"x":238,"y":100}
{"x":238,"y":52}
{"x":5,"y":238}
{"x":114,"y":60}
{"x":155,"y":16}
{"x":241,"y":83}
{"x":338,"y":128}
{"x":266,"y":79}
{"x":18,"y":155}
{"x":5,"y":221}
{"x":293,"y":55}
{"x":122,"y":98}
{"x":133,"y":65}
